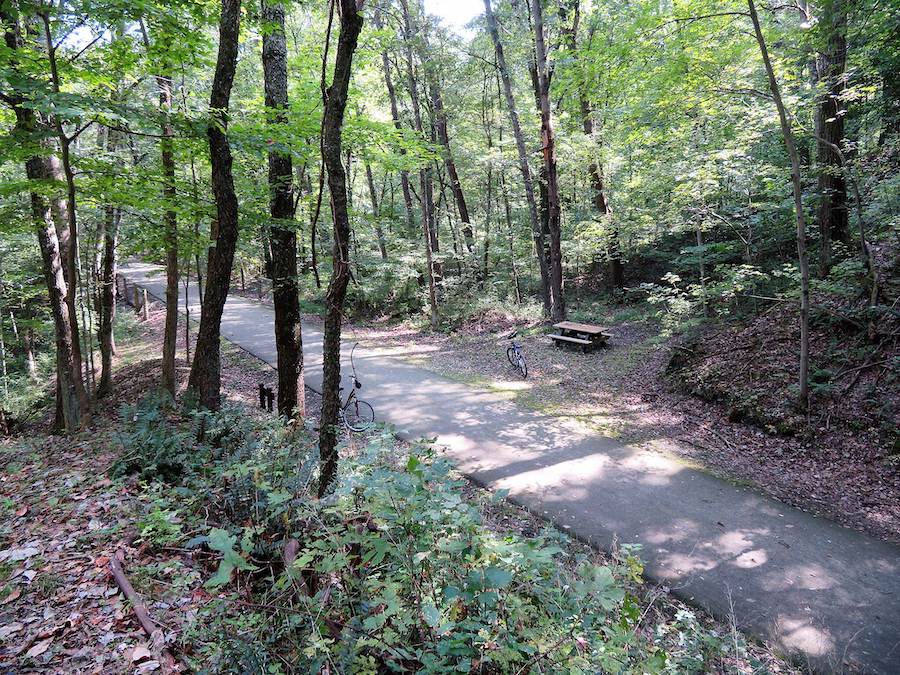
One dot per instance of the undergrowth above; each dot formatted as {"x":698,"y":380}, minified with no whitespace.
{"x":395,"y":571}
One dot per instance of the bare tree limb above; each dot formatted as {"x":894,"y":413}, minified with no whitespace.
{"x":137,"y":604}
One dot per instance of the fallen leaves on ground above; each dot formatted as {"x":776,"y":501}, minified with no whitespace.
{"x":62,"y":518}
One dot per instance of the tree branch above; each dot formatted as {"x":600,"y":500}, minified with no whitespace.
{"x":694,"y":19}
{"x":85,"y":48}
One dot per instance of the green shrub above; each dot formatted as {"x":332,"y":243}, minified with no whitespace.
{"x":160,"y":526}
{"x":396,"y":571}
{"x":153,"y":447}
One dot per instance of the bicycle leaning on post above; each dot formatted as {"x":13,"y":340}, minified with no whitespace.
{"x":515,"y":356}
{"x":356,"y":414}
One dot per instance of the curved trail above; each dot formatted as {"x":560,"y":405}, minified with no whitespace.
{"x":826,"y":594}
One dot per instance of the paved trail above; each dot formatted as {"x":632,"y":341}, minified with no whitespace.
{"x":824,"y":593}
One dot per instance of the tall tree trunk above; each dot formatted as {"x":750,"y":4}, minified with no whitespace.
{"x":487,"y":122}
{"x":88,"y":310}
{"x":542,"y":193}
{"x":170,"y":226}
{"x":395,"y":116}
{"x":28,"y":347}
{"x":507,"y":212}
{"x":426,"y":190}
{"x":798,"y":208}
{"x":379,"y":232}
{"x":335,"y":103}
{"x":701,"y":265}
{"x":305,"y":188}
{"x":548,"y":149}
{"x":288,"y":338}
{"x":536,"y":231}
{"x":488,"y":216}
{"x":69,"y":214}
{"x":428,"y":232}
{"x":59,"y":211}
{"x":107,"y":273}
{"x":454,"y":236}
{"x":267,"y":245}
{"x":206,"y":373}
{"x":71,"y":397}
{"x":514,"y":273}
{"x":440,"y":125}
{"x":108,"y":297}
{"x":616,"y":269}
{"x":348,"y":171}
{"x":5,"y":373}
{"x":601,"y":204}
{"x":829,"y":124}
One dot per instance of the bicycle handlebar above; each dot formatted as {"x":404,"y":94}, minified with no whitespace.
{"x":356,"y":383}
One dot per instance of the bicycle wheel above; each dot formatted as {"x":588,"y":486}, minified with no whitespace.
{"x":511,"y":356}
{"x":523,"y":367}
{"x":358,"y":415}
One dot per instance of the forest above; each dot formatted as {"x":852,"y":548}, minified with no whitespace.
{"x":205,"y":200}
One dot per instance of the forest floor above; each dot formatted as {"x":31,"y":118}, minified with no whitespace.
{"x":62,"y":519}
{"x":846,"y":471}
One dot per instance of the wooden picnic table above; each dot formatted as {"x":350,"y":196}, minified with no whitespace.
{"x":584,"y":335}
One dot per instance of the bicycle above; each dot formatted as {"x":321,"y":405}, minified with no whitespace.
{"x":355,"y":414}
{"x":515,"y":356}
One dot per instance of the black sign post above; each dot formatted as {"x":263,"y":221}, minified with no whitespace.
{"x":266,"y":397}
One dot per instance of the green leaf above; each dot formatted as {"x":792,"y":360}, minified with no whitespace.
{"x":194,"y":542}
{"x":279,"y":497}
{"x":496,"y":577}
{"x":375,"y":621}
{"x":432,"y":614}
{"x":219,"y":540}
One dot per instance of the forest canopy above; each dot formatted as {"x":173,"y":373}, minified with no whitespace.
{"x":633,"y":149}
{"x":716,"y":181}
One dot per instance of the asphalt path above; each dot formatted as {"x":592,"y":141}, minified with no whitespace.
{"x":824,"y":594}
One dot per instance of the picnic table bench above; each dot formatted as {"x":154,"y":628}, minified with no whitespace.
{"x":584,"y":335}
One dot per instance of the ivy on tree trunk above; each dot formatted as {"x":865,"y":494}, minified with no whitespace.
{"x":170,"y":234}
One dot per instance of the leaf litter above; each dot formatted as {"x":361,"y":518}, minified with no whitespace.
{"x":62,"y":519}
